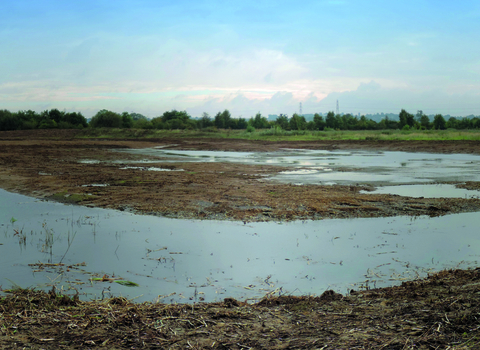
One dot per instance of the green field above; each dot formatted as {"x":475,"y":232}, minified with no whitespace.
{"x":282,"y":135}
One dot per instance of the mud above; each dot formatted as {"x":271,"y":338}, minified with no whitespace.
{"x":440,"y":312}
{"x":63,"y":166}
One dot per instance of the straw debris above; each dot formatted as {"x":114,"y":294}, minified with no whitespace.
{"x":439,"y":312}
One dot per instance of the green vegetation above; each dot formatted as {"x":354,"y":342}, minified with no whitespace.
{"x":127,"y":283}
{"x":53,"y":119}
{"x":73,"y":198}
{"x":278,"y":134}
{"x":138,"y":125}
{"x":105,"y":278}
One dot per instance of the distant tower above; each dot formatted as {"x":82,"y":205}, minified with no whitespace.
{"x":337,"y":112}
{"x":300,"y":109}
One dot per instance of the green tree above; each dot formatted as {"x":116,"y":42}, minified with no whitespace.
{"x":331,"y":121}
{"x":282,"y":121}
{"x":319,"y":123}
{"x":55,"y":115}
{"x":127,"y":120}
{"x":425,"y":121}
{"x":8,"y":121}
{"x":222,"y":120}
{"x":406,"y":119}
{"x":452,"y":123}
{"x":242,"y":123}
{"x":259,"y":122}
{"x":362,"y":123}
{"x":28,"y":119}
{"x":349,"y":122}
{"x":475,"y":122}
{"x":464,"y":123}
{"x":137,"y":116}
{"x":175,"y":120}
{"x":439,"y":122}
{"x":106,"y":119}
{"x":158,"y":123}
{"x":174,"y":114}
{"x":75,"y":119}
{"x":205,"y":121}
{"x":142,"y":124}
{"x":297,"y":122}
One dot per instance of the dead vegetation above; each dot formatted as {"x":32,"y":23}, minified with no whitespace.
{"x":88,"y":172}
{"x":440,"y":312}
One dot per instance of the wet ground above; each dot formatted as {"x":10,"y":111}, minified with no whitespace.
{"x":440,"y":312}
{"x":95,"y":173}
{"x":198,"y":262}
{"x":327,"y":167}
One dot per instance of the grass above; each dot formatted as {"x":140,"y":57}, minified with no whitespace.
{"x":276,"y":134}
{"x":72,"y":198}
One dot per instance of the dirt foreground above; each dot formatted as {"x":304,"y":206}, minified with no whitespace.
{"x":440,"y":312}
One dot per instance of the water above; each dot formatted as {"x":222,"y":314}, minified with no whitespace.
{"x":176,"y":260}
{"x":427,"y":191}
{"x":341,"y":167}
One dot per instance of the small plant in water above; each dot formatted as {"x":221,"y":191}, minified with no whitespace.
{"x":127,"y":283}
{"x":22,"y":237}
{"x":47,"y":246}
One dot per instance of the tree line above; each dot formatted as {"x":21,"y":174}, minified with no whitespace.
{"x":171,"y":120}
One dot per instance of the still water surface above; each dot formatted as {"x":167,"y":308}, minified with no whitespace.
{"x":176,"y":260}
{"x":341,"y":167}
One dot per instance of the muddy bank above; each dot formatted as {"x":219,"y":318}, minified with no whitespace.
{"x":440,"y":312}
{"x":436,"y":313}
{"x":87,"y":172}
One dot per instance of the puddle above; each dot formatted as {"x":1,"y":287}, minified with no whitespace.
{"x":150,"y":168}
{"x":175,"y":260}
{"x":96,"y":185}
{"x":89,"y":161}
{"x":427,"y":191}
{"x":342,"y":167}
{"x":316,"y":170}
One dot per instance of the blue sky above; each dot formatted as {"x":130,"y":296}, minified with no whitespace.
{"x":249,"y":56}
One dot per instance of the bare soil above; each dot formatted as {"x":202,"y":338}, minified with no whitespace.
{"x":46,"y":164}
{"x":440,"y":312}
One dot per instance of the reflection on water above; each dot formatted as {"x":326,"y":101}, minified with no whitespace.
{"x":427,"y":191}
{"x":342,"y":167}
{"x":150,"y":168}
{"x":210,"y":260}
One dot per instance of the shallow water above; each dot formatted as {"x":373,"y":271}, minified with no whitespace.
{"x":427,"y":191}
{"x":190,"y":260}
{"x":342,"y":167}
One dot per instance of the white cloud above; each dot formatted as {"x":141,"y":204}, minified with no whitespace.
{"x":152,"y":74}
{"x":367,"y":98}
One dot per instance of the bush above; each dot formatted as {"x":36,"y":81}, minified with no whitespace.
{"x":250,"y":128}
{"x":143,"y":124}
{"x":29,"y":124}
{"x":67,"y":125}
{"x":106,"y":119}
{"x":48,"y":124}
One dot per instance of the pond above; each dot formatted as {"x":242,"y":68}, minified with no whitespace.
{"x":45,"y":243}
{"x":343,"y":167}
{"x":427,"y":191}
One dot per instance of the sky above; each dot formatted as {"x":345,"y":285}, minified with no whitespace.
{"x":150,"y":56}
